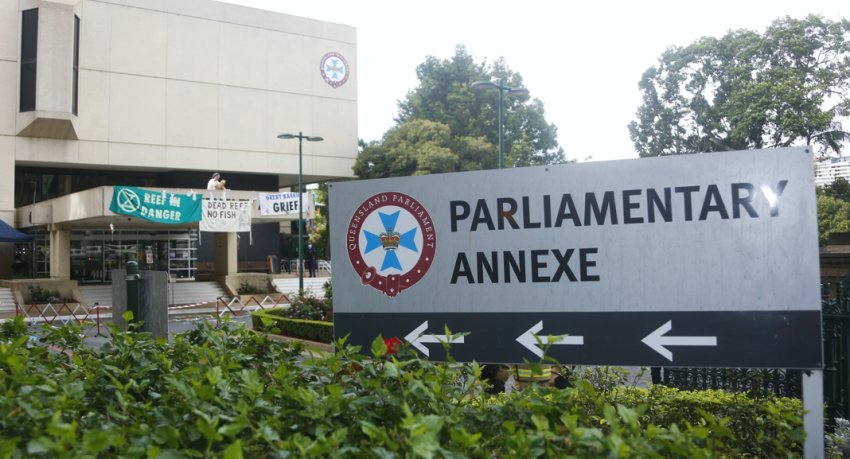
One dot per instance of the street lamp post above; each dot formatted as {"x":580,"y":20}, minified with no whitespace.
{"x":500,"y":86}
{"x":301,"y":137}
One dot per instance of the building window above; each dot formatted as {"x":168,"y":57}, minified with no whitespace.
{"x":76,"y":65}
{"x":29,"y":53}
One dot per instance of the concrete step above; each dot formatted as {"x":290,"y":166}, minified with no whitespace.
{"x":312,"y":285}
{"x":7,"y":300}
{"x":6,"y":295}
{"x":194,"y":292}
{"x":179,"y":293}
{"x":96,"y":293}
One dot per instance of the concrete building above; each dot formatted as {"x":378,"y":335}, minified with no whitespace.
{"x":829,"y":169}
{"x":159,"y":94}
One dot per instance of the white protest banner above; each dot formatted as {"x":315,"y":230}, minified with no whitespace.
{"x":285,"y":204}
{"x":224,"y":216}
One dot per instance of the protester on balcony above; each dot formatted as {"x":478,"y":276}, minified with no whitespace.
{"x":215,"y":182}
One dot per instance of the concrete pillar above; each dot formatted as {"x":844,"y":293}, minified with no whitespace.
{"x":224,"y":250}
{"x":55,"y":55}
{"x":7,"y":251}
{"x":7,"y":175}
{"x":60,"y":253}
{"x":53,"y":116}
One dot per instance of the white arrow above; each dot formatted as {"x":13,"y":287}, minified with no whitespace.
{"x":418,"y":339}
{"x":529,"y":339}
{"x":656,"y":340}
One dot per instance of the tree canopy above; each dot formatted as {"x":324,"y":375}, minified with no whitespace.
{"x":833,"y":207}
{"x":746,"y":90}
{"x":444,"y":126}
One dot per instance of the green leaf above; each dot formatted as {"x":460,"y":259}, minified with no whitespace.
{"x":8,"y":446}
{"x":39,"y":445}
{"x":208,"y":429}
{"x":251,"y":381}
{"x":540,"y":422}
{"x":390,"y":370}
{"x":234,"y":451}
{"x":98,"y":440}
{"x":214,"y":375}
{"x":379,"y":347}
{"x":375,"y":433}
{"x":464,"y":438}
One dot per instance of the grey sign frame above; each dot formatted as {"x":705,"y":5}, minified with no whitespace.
{"x":730,"y":232}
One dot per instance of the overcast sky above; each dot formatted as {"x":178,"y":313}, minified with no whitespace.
{"x":583,"y":60}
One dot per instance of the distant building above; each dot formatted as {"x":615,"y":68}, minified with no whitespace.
{"x":827,"y":170}
{"x":160,"y":94}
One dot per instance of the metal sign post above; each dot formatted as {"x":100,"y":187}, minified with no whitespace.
{"x":813,"y":414}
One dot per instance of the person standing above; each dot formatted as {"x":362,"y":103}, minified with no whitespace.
{"x":311,"y":259}
{"x":215,"y":182}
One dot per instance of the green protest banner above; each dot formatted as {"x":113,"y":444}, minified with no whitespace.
{"x":160,"y":207}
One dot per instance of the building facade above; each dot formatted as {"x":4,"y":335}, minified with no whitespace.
{"x":829,"y":169}
{"x":159,"y":94}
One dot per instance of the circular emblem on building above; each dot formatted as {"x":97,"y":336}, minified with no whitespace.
{"x":128,"y":200}
{"x":391,"y":242}
{"x":334,"y":69}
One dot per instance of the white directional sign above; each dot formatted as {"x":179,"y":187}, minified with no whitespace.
{"x":530,"y":339}
{"x":418,"y":338}
{"x":657,"y":341}
{"x":699,"y":260}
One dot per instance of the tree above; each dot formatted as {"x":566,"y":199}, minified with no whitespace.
{"x":443,"y":126}
{"x":320,"y":231}
{"x":833,"y":207}
{"x":744,"y":90}
{"x":838,"y":189}
{"x":833,"y":216}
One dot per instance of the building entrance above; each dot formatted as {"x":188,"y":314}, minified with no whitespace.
{"x":94,"y":253}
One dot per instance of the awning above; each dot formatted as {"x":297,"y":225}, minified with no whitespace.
{"x":9,"y":234}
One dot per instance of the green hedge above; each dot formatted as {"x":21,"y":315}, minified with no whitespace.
{"x":271,"y":322}
{"x":758,"y":425}
{"x":226,"y":392}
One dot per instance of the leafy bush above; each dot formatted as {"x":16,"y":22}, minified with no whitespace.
{"x":227,"y":392}
{"x":329,"y":294}
{"x":743,"y":417}
{"x":39,"y":294}
{"x":838,"y":441}
{"x":12,"y":329}
{"x":247,"y":288}
{"x":605,"y":378}
{"x":307,"y":307}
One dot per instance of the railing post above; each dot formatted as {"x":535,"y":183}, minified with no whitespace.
{"x":97,"y":318}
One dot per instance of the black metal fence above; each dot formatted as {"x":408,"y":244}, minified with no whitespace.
{"x":835,"y":303}
{"x":835,"y":300}
{"x":756,"y":382}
